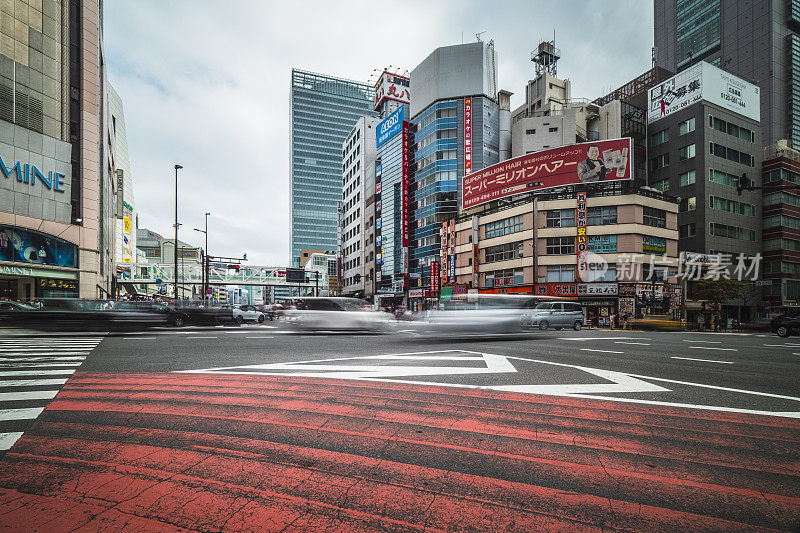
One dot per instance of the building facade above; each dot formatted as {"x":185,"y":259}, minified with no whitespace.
{"x":455,"y":118}
{"x":757,"y":40}
{"x":125,"y":232}
{"x":358,"y":151}
{"x":323,"y":111}
{"x":51,"y":123}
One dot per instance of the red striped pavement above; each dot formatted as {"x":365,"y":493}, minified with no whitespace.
{"x":206,"y":452}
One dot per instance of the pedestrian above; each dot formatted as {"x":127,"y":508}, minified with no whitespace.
{"x":626,"y":321}
{"x":700,"y":322}
{"x":611,"y":319}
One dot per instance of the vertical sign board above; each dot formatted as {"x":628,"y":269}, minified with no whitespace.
{"x":443,"y":248}
{"x":467,"y":136}
{"x":580,"y":242}
{"x":451,"y":250}
{"x":475,"y":251}
{"x":434,"y":278}
{"x":405,"y":186}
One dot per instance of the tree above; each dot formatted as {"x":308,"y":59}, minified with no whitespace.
{"x":718,"y":291}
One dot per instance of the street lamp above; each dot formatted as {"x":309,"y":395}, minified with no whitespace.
{"x":205,"y":257}
{"x":175,"y":247}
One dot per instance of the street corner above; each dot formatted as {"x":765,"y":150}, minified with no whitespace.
{"x":243,"y":452}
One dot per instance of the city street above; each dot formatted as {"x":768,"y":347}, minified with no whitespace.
{"x":263,"y":428}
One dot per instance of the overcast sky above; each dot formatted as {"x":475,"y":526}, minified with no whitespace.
{"x":206,"y":84}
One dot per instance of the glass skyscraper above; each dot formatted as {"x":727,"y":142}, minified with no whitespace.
{"x":323,"y":112}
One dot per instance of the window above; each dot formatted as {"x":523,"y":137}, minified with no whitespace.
{"x":602,"y":244}
{"x":560,"y":218}
{"x":659,"y":138}
{"x":654,"y":217}
{"x":687,"y":152}
{"x":503,"y":252}
{"x":781,"y":198}
{"x":686,"y":126}
{"x":552,"y":130}
{"x":782,"y":220}
{"x":781,"y":174}
{"x":688,"y":204}
{"x":687,"y":230}
{"x":687,"y":178}
{"x":505,"y":277}
{"x":560,"y":273}
{"x":740,"y":132}
{"x":661,"y":186}
{"x":782,"y":244}
{"x":732,"y":232}
{"x":659,"y":161}
{"x":598,"y":216}
{"x":610,"y":274}
{"x":731,"y":206}
{"x":504,"y":227}
{"x":560,"y":245}
{"x":530,"y":132}
{"x":717,"y":176}
{"x":654,"y":245}
{"x":731,"y":155}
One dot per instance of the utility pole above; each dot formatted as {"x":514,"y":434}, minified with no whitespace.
{"x":175,"y":244}
{"x":204,"y":262}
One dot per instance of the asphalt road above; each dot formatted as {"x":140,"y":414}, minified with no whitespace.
{"x":262,"y":428}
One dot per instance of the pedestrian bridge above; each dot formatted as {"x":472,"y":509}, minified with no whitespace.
{"x":158,"y":273}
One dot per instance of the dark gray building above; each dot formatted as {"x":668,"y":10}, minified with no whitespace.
{"x":698,"y":152}
{"x":757,"y":40}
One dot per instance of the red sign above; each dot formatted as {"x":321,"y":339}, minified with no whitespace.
{"x":592,"y":162}
{"x":405,"y":186}
{"x":392,"y":87}
{"x":580,"y":240}
{"x":524,"y":289}
{"x":557,"y":289}
{"x":435,"y":277}
{"x":467,"y":136}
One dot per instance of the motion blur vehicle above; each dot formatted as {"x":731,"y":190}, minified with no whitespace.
{"x":336,"y":314}
{"x":557,"y":315}
{"x":785,"y":325}
{"x":246,"y":313}
{"x":655,"y":323}
{"x":481,"y":314}
{"x":15,"y":306}
{"x":146,"y":312}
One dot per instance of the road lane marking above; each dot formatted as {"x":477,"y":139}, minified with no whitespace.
{"x":706,"y":342}
{"x":637,"y":343}
{"x":601,"y":351}
{"x":22,"y":358}
{"x":28,"y":413}
{"x":138,"y":338}
{"x":783,"y":345}
{"x":703,"y":360}
{"x":28,"y":395}
{"x":38,"y":372}
{"x":602,"y":338}
{"x":201,"y":337}
{"x":260,"y":337}
{"x":713,"y":348}
{"x":7,"y":440}
{"x":31,"y":382}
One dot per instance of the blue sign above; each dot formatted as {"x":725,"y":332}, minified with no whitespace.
{"x":389,"y":127}
{"x":28,"y":173}
{"x":27,"y":246}
{"x":159,"y":281}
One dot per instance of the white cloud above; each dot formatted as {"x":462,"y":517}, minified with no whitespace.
{"x":206,"y":84}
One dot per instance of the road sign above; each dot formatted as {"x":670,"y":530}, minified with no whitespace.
{"x":159,"y":281}
{"x":762,"y":283}
{"x":209,"y":292}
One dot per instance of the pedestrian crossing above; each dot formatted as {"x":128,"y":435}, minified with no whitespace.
{"x":32,"y":371}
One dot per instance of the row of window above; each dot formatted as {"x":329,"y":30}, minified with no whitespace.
{"x":504,"y":227}
{"x":503,"y":252}
{"x":663,"y":136}
{"x":566,"y":274}
{"x":740,"y":132}
{"x":731,"y":154}
{"x":731,"y":206}
{"x":595,"y":216}
{"x":732,"y":232}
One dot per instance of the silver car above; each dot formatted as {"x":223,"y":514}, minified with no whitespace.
{"x":556,"y":315}
{"x":336,"y":314}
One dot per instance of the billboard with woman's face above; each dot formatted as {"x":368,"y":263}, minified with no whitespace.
{"x":31,"y":247}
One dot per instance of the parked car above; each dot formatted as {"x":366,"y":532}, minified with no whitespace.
{"x":557,"y":315}
{"x":785,"y":325}
{"x":246,"y":313}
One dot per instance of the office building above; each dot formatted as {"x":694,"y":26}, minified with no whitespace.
{"x":700,"y":144}
{"x":54,"y":201}
{"x":323,"y":111}
{"x":757,"y":40}
{"x":455,"y":118}
{"x":125,"y":232}
{"x":357,"y":151}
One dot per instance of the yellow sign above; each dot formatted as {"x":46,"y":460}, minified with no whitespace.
{"x":126,"y":224}
{"x":126,"y":259}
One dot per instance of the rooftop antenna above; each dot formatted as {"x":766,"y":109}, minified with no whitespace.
{"x":478,"y":35}
{"x":546,"y":57}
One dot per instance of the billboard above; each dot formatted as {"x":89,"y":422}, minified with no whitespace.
{"x":392,"y":87}
{"x":467,"y":136}
{"x":592,"y":162}
{"x":26,"y":246}
{"x":704,"y":81}
{"x":405,"y":214}
{"x":389,"y":127}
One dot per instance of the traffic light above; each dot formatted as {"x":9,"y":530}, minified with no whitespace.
{"x":745,"y":183}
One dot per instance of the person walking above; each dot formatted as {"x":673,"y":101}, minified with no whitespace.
{"x":626,"y":321}
{"x":700,"y":322}
{"x":611,"y":319}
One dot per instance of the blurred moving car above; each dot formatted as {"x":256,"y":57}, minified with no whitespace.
{"x":657,"y":323}
{"x":786,"y":324}
{"x":147,"y":312}
{"x":246,"y":313}
{"x":555,"y":314}
{"x":336,"y":314}
{"x":15,"y":306}
{"x":482,"y":314}
{"x":757,"y":324}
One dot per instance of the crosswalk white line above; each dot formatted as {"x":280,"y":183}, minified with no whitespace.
{"x":32,"y":382}
{"x":22,"y":359}
{"x":27,"y":395}
{"x":36,"y":372}
{"x":7,"y":440}
{"x":26,"y":413}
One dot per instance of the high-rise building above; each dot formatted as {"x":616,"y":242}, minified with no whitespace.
{"x":455,"y":118}
{"x":55,"y":203}
{"x":358,"y":151}
{"x":125,"y":233}
{"x":757,"y":40}
{"x":323,"y":111}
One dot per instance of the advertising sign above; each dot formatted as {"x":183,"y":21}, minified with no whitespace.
{"x":392,"y":87}
{"x":27,"y":173}
{"x":64,"y":284}
{"x":467,"y":136}
{"x":557,"y":289}
{"x":592,"y":162}
{"x":405,"y":215}
{"x":435,"y":277}
{"x":580,"y":240}
{"x":627,"y":306}
{"x":602,"y":244}
{"x":592,"y":289}
{"x":389,"y":127}
{"x":26,"y":246}
{"x":704,"y":81}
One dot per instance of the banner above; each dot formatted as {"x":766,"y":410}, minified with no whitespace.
{"x":580,"y":240}
{"x":26,"y":246}
{"x":592,"y":162}
{"x":556,"y":289}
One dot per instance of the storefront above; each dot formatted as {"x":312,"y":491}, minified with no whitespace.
{"x":36,"y":265}
{"x":599,"y":302}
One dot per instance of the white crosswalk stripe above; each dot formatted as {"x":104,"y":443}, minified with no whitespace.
{"x":32,"y":371}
